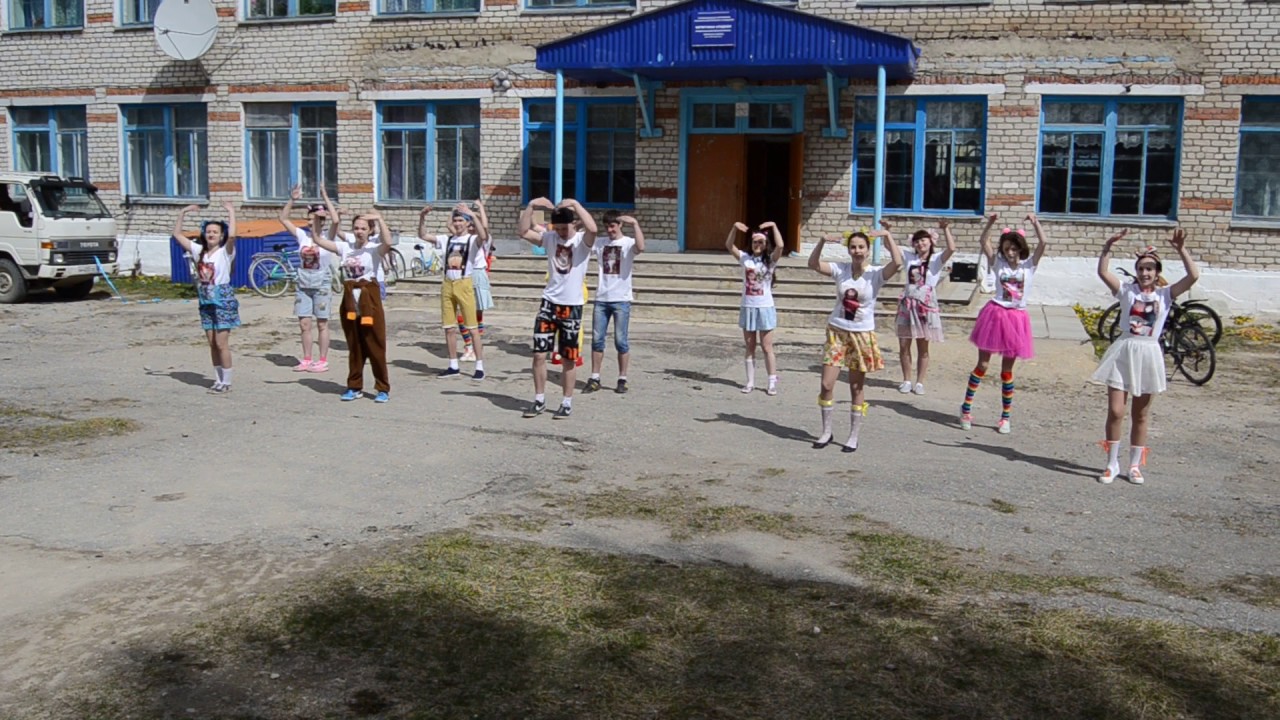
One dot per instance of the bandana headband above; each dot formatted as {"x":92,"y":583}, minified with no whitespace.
{"x":1020,"y":232}
{"x":1148,"y":252}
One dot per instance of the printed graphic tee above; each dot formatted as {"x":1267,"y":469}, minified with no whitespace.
{"x":615,"y":258}
{"x":567,"y":268}
{"x":1144,"y":313}
{"x":314,"y":263}
{"x":757,"y":282}
{"x":855,"y":297}
{"x":1013,"y":283}
{"x":918,"y":273}
{"x":457,"y":251}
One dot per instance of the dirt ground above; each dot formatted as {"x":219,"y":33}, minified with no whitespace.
{"x":105,"y":540}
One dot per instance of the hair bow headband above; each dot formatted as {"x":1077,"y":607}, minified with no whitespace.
{"x":760,"y":235}
{"x":1148,"y":251}
{"x":1020,"y":231}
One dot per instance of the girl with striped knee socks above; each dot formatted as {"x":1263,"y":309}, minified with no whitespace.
{"x":1003,"y":326}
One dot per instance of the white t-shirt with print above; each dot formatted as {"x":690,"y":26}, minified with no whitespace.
{"x":481,"y":259}
{"x":615,"y":259}
{"x":457,"y":252}
{"x":1142,"y":314}
{"x":757,"y":282}
{"x":314,"y":262}
{"x":359,"y":263}
{"x":1013,"y":283}
{"x":566,"y":268}
{"x":855,"y":297}
{"x":374,"y":241}
{"x":215,"y":267}
{"x":917,"y":273}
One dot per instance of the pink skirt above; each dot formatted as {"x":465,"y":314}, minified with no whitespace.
{"x":1003,"y":331}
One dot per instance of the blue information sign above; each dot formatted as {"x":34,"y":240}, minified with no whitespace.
{"x":714,"y":29}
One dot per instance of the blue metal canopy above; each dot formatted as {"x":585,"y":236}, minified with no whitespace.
{"x":721,"y":39}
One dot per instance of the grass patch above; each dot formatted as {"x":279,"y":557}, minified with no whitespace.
{"x":1260,"y":590}
{"x":685,"y":514}
{"x":1001,"y":506}
{"x":140,"y":287}
{"x":23,"y":427}
{"x":1247,"y":331}
{"x":511,"y":521}
{"x":462,"y":627}
{"x":1170,"y":580}
{"x":1089,"y":319}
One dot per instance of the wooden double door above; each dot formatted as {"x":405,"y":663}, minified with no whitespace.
{"x":742,"y":178}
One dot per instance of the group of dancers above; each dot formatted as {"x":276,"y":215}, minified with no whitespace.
{"x":1133,"y":368}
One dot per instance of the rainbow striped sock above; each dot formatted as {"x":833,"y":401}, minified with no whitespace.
{"x":1006,"y":395}
{"x":975,"y":379}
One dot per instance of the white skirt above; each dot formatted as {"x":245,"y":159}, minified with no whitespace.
{"x":1135,"y":365}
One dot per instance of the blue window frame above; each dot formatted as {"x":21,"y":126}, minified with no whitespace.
{"x":138,"y":12}
{"x":935,"y":154}
{"x":51,"y":139}
{"x":427,"y":7}
{"x":576,"y":5}
{"x":1258,"y":177}
{"x":599,"y":150}
{"x":1109,"y":156}
{"x":166,"y":150}
{"x":45,"y":14}
{"x":287,"y":144}
{"x":267,"y":9}
{"x":428,"y":151}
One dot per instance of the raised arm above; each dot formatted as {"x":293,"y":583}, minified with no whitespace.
{"x":589,"y":228}
{"x":635,"y":230}
{"x":183,"y":240}
{"x":422,"y":221}
{"x":895,"y":253}
{"x":1104,"y":263}
{"x":230,"y":241}
{"x":777,"y":241}
{"x":1179,"y":242}
{"x":816,"y":263}
{"x":949,"y":239}
{"x":984,"y":242}
{"x":731,"y":242}
{"x":387,"y":240}
{"x":335,"y":219}
{"x":525,"y":226}
{"x":287,"y":210}
{"x":482,"y":222}
{"x":1043,"y":242}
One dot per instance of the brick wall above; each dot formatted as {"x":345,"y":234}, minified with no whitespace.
{"x":1223,"y":49}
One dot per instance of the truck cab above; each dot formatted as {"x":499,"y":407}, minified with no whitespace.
{"x":51,"y":231}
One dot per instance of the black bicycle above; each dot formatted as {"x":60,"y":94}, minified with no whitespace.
{"x":1183,"y":339}
{"x":1192,"y":311}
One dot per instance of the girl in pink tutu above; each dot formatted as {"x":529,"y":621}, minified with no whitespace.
{"x":918,"y":317}
{"x":1003,"y":326}
{"x":1134,"y":364}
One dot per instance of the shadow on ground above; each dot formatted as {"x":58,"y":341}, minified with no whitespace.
{"x":463,"y":627}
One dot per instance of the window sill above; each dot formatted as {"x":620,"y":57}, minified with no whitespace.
{"x":1112,"y":221}
{"x":44,"y":31}
{"x":1247,"y":224}
{"x":391,"y":17}
{"x":136,"y":26}
{"x":135,"y":201}
{"x":299,"y":20}
{"x":948,"y":214}
{"x":579,"y":10}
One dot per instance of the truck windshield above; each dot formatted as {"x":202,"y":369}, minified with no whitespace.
{"x":69,"y":200}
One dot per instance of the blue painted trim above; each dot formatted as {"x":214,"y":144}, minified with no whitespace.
{"x":1109,"y":128}
{"x":580,"y":132}
{"x":834,"y":86}
{"x":167,"y":128}
{"x":428,"y":8}
{"x":1252,"y":130}
{"x":290,"y":12}
{"x":578,"y":5}
{"x":878,"y":191}
{"x":557,"y":157}
{"x":429,"y":128}
{"x":52,"y":138}
{"x":15,"y":14}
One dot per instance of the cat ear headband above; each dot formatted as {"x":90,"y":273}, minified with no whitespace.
{"x":1020,"y":231}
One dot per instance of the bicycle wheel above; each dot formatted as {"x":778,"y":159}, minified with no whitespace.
{"x":1193,"y":353}
{"x":1201,"y":314}
{"x":269,"y":277}
{"x":335,"y":281}
{"x":1108,"y":327}
{"x":396,"y":267}
{"x":417,"y":267}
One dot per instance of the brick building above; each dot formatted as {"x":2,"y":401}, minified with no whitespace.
{"x":1096,"y":113}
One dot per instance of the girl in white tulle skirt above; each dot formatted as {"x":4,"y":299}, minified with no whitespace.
{"x":1134,"y":364}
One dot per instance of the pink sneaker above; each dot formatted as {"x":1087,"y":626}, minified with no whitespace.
{"x":303,"y":366}
{"x":319,"y":366}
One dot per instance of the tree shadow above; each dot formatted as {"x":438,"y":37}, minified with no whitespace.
{"x":767,"y":426}
{"x":920,"y":413}
{"x":438,"y":349}
{"x":700,"y":377}
{"x":417,"y":368}
{"x":505,"y":402}
{"x":183,"y":376}
{"x":280,"y":360}
{"x":324,"y":387}
{"x":1013,"y":455}
{"x":464,"y":627}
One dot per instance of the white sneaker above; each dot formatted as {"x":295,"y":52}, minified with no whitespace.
{"x":1108,"y":476}
{"x":1003,"y":427}
{"x":919,"y":389}
{"x":469,"y":355}
{"x":905,"y":387}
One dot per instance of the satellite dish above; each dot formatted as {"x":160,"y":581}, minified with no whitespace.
{"x":185,"y":29}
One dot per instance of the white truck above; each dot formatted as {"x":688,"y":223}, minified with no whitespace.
{"x":51,"y":230}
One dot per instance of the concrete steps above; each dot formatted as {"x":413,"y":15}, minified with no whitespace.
{"x":691,"y":288}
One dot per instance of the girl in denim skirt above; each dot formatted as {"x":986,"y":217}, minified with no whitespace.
{"x":213,"y":252}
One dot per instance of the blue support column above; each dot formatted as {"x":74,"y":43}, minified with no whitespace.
{"x":879,"y":180}
{"x":557,"y":162}
{"x":834,"y":86}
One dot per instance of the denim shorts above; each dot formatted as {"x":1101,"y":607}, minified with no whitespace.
{"x":312,"y":303}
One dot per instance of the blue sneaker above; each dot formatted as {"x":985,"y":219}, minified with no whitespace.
{"x":381,"y":397}
{"x":351,"y":394}
{"x":450,"y":372}
{"x":479,"y":375}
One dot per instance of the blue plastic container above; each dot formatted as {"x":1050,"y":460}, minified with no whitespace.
{"x":246,"y":248}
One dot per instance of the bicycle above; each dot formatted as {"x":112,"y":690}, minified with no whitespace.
{"x":425,"y":264}
{"x":272,"y":273}
{"x":393,"y":265}
{"x":1200,"y":313}
{"x":1183,"y":340}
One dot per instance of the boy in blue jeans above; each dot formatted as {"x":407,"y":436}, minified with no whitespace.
{"x":615,"y":255}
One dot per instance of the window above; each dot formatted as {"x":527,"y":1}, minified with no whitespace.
{"x":576,"y":4}
{"x":1109,"y":157}
{"x":288,"y":144}
{"x":166,"y":151}
{"x":1258,"y":182}
{"x":41,"y":14}
{"x":429,"y":151}
{"x":425,"y":7}
{"x":52,"y":140}
{"x":138,"y":12}
{"x":934,"y":154}
{"x":266,"y":9}
{"x":599,"y":150}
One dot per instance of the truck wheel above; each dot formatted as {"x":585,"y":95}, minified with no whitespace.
{"x":75,"y":291}
{"x":13,"y":287}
